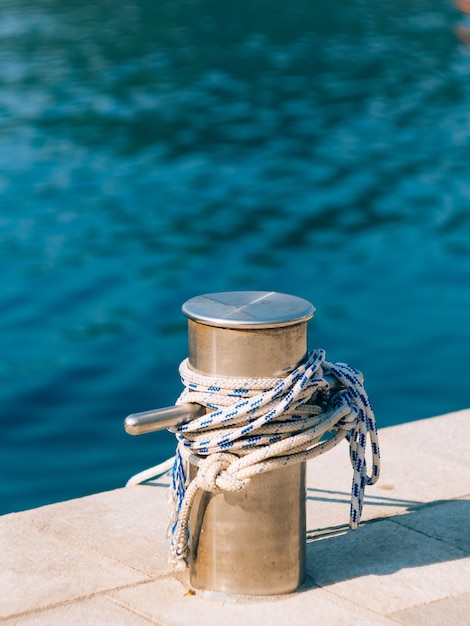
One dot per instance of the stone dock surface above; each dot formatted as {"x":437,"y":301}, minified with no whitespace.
{"x":103,"y":559}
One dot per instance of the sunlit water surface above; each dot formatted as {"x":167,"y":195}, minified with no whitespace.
{"x":153,"y":151}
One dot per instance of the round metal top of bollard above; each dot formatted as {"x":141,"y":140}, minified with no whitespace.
{"x":248,"y":309}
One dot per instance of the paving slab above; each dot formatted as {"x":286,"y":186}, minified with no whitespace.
{"x":445,"y":437}
{"x":95,"y":611}
{"x":387,"y":567}
{"x":39,"y":569}
{"x":451,"y":611}
{"x":127,"y":525}
{"x":168,"y":602}
{"x":446,"y":520}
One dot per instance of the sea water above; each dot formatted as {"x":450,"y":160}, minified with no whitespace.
{"x":154,"y":151}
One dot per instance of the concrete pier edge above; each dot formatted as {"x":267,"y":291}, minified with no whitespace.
{"x":103,"y":559}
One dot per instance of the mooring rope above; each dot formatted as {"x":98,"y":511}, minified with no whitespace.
{"x":260,"y":424}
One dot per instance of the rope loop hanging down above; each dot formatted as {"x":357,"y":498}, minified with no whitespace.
{"x":256,"y":425}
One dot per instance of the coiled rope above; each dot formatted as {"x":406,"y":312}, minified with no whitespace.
{"x":258,"y":425}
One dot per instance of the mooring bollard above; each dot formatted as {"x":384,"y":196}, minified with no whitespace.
{"x":252,"y":541}
{"x":246,"y":523}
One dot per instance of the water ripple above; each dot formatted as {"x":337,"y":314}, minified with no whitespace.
{"x":153,"y":151}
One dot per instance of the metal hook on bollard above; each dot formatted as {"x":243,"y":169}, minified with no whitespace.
{"x":171,"y":417}
{"x":160,"y":419}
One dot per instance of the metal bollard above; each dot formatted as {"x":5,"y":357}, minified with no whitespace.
{"x":250,"y":542}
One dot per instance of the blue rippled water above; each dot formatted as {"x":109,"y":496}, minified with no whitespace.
{"x":153,"y":151}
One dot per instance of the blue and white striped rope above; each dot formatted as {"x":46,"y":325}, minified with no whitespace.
{"x":258,"y":425}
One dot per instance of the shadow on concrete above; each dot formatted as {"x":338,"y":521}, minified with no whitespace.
{"x":326,"y":495}
{"x":424,"y":534}
{"x":342,"y":497}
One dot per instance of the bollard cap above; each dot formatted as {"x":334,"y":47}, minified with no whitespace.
{"x":248,"y":309}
